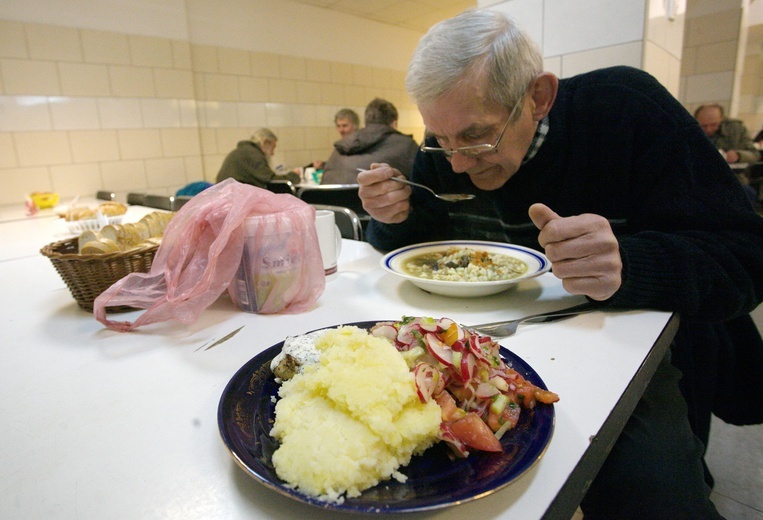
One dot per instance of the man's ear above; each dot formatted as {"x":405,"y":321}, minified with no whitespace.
{"x":543,"y":92}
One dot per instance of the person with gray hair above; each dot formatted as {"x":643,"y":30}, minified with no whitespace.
{"x":347,"y":121}
{"x":378,"y":141}
{"x":249,"y":162}
{"x":634,"y":208}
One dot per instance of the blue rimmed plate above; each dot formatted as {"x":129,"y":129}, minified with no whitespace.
{"x":247,"y":411}
{"x":394,"y":262}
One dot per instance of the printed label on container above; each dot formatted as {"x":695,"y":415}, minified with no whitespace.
{"x":268,"y":277}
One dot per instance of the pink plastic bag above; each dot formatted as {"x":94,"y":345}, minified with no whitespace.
{"x":201,"y":251}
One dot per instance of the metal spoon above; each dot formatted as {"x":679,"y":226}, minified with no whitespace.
{"x":449,"y":197}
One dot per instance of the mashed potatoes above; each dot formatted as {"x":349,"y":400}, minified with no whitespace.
{"x":351,"y":420}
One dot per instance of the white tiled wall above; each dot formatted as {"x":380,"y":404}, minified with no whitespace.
{"x":572,"y":26}
{"x":663,"y":42}
{"x":577,"y":36}
{"x":127,"y":95}
{"x":710,"y":52}
{"x":580,"y":35}
{"x":750,"y":101}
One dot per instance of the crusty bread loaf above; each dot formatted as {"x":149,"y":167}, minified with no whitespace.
{"x":112,"y":209}
{"x":107,"y":209}
{"x":79,"y":213}
{"x":124,"y":237}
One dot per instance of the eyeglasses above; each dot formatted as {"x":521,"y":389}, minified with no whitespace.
{"x":476,"y":150}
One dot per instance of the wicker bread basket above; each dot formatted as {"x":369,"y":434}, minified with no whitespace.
{"x":87,"y":276}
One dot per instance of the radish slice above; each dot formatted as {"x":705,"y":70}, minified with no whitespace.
{"x":426,"y":378}
{"x":385,"y":330}
{"x":458,"y":447}
{"x":474,"y":348}
{"x":439,"y":350}
{"x":428,"y":324}
{"x":468,"y":366}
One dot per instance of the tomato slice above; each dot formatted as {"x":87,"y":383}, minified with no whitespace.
{"x":448,"y":407}
{"x":545,"y":396}
{"x":472,"y":431}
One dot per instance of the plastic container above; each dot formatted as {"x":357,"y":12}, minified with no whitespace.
{"x":269,"y":277}
{"x":44,"y":200}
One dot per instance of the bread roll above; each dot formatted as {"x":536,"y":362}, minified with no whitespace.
{"x":112,"y":209}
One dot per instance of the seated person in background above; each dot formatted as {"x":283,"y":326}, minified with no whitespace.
{"x":660,"y":224}
{"x":377,"y":142}
{"x":346,"y":121}
{"x":729,"y":135}
{"x":249,"y":161}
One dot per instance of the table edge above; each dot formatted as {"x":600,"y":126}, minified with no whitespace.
{"x":574,"y":489}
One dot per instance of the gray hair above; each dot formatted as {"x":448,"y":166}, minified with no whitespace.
{"x":348,"y":114}
{"x":263,"y":134}
{"x":477,"y":40}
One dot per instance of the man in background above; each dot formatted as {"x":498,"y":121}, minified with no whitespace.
{"x":377,"y":142}
{"x":728,"y":135}
{"x":249,"y":162}
{"x":347,"y":121}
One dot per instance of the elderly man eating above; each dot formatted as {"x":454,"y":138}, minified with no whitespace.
{"x":633,"y":206}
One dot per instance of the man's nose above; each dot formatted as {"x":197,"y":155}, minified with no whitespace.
{"x":460,"y":162}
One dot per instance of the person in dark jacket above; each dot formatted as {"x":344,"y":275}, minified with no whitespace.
{"x":249,"y":162}
{"x":634,"y":207}
{"x":377,"y":142}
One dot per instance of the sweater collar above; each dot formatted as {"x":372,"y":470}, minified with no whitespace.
{"x":540,"y":135}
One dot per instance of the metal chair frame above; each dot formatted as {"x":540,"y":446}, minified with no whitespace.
{"x":347,"y":220}
{"x":136,"y":199}
{"x":159,"y":201}
{"x":345,"y":195}
{"x":179,"y":201}
{"x":282,"y":186}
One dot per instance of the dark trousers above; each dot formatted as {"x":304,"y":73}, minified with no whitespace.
{"x":655,"y":470}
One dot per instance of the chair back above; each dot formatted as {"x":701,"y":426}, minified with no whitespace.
{"x":159,"y":201}
{"x":282,"y":186}
{"x":179,"y":201}
{"x":105,"y":195}
{"x":346,"y":220}
{"x":136,"y":199}
{"x":755,"y":171}
{"x":345,"y":195}
{"x":755,"y":179}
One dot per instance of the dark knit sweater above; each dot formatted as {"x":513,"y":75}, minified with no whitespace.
{"x":620,"y":146}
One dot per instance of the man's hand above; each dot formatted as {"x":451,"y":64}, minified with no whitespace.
{"x":385,"y":200}
{"x":583,"y":251}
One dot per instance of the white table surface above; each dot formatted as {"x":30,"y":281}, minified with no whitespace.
{"x":14,"y":212}
{"x":95,"y":424}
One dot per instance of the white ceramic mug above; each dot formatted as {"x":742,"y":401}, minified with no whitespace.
{"x":329,"y":239}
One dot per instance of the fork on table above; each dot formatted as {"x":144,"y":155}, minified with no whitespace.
{"x":502,"y":329}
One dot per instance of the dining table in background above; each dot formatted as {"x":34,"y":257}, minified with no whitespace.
{"x":100,"y":424}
